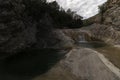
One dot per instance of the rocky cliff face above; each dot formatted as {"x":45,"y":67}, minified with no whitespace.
{"x":28,"y":24}
{"x":106,"y":25}
{"x":23,"y":28}
{"x":18,"y":30}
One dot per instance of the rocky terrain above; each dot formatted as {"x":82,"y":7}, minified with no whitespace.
{"x":106,"y":25}
{"x":31,"y":24}
{"x":79,"y":64}
{"x":33,"y":38}
{"x":102,"y":27}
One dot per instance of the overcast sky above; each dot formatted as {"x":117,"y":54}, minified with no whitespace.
{"x":84,"y":8}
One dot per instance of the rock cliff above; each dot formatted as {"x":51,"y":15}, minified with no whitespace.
{"x":106,"y":25}
{"x":31,"y":24}
{"x":28,"y":27}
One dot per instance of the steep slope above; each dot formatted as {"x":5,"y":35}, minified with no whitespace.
{"x":85,"y":8}
{"x":31,"y":24}
{"x":106,"y":25}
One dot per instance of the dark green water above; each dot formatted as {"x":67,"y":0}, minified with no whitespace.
{"x":29,"y":63}
{"x":93,"y":44}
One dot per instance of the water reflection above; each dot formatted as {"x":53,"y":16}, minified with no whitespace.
{"x":29,"y":63}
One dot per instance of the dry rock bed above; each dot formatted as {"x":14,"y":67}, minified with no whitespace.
{"x":80,"y":64}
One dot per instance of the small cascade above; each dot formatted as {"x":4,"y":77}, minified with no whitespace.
{"x":82,"y":38}
{"x":85,"y":40}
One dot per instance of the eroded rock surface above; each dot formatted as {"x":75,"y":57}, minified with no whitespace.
{"x":79,"y":64}
{"x":106,"y":25}
{"x":28,"y":24}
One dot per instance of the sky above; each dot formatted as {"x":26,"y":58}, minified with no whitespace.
{"x":84,"y":8}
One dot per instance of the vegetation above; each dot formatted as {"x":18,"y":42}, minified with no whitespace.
{"x":31,"y":23}
{"x":60,"y":17}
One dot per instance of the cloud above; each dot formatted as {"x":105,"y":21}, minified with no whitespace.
{"x":84,"y":8}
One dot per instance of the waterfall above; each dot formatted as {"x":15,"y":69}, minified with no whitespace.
{"x":82,"y":38}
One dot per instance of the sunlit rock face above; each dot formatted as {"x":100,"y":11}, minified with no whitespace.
{"x":84,"y":8}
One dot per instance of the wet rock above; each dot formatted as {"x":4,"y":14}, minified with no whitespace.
{"x":108,"y":29}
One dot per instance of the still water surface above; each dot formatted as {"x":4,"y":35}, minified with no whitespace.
{"x":29,"y":63}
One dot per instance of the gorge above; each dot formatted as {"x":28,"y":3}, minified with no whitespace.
{"x":38,"y":41}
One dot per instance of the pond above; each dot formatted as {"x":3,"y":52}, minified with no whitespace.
{"x":29,"y":63}
{"x":92,"y":44}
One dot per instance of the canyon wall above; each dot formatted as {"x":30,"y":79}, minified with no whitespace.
{"x":31,"y":24}
{"x":106,"y":24}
